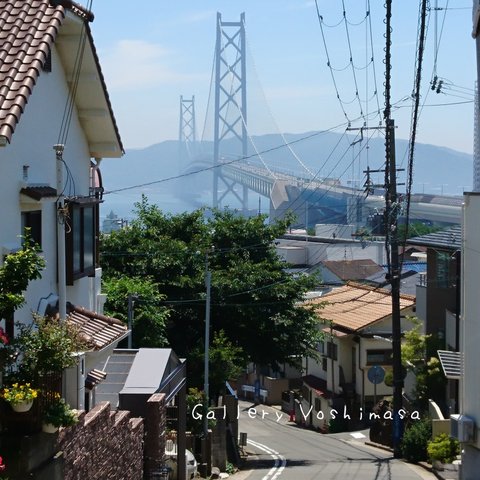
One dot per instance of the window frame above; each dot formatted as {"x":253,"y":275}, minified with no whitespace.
{"x":77,"y":227}
{"x":387,"y":356}
{"x":332,"y":350}
{"x":35,"y":226}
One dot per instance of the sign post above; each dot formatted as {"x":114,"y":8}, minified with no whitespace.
{"x":375,"y":374}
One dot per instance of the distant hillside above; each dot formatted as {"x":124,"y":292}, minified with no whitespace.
{"x":436,"y":169}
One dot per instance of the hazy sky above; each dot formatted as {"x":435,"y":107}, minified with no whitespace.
{"x":153,"y":51}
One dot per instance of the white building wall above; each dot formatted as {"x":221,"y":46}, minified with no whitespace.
{"x":470,"y":336}
{"x":32,"y":144}
{"x":318,"y":252}
{"x":373,"y":344}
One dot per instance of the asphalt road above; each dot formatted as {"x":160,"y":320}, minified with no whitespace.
{"x":279,"y":450}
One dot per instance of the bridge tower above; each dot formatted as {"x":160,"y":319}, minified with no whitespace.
{"x":187,"y":133}
{"x":230,"y":104}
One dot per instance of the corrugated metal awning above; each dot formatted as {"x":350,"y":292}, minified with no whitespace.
{"x":452,"y":363}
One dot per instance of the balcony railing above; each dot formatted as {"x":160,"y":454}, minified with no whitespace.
{"x":422,"y":280}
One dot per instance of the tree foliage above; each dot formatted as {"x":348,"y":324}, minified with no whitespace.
{"x":149,"y":316}
{"x":18,"y":270}
{"x":254,"y":301}
{"x":224,"y":358}
{"x":417,"y":356}
{"x":416,"y":229}
{"x":47,"y":345}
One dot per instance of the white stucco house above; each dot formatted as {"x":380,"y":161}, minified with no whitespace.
{"x":357,"y":324}
{"x":466,"y":426}
{"x":56,"y":125}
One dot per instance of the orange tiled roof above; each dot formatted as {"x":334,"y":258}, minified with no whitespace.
{"x":98,"y":330}
{"x":355,"y":306}
{"x":28,"y":29}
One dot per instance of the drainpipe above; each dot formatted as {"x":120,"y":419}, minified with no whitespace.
{"x":457,"y":320}
{"x":62,"y":275}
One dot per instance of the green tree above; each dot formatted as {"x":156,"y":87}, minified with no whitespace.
{"x":419,"y":355}
{"x":18,"y":269}
{"x":415,"y":229}
{"x":226,"y":362}
{"x":254,"y":301}
{"x":149,"y":317}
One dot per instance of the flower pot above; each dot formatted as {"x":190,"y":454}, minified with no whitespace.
{"x":49,"y":428}
{"x":24,"y":406}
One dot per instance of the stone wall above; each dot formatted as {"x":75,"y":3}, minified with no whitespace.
{"x":155,"y":424}
{"x":104,"y":445}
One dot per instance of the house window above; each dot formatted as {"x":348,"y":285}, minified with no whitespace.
{"x":324,"y":364}
{"x":444,"y":268}
{"x":81,"y":240}
{"x":321,"y":347}
{"x":332,"y":350}
{"x":33,"y":221}
{"x":379,"y":357}
{"x":318,"y":404}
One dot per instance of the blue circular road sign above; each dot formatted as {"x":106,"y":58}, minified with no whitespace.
{"x":376,"y":374}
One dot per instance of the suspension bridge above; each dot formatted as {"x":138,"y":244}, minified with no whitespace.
{"x":313,"y":197}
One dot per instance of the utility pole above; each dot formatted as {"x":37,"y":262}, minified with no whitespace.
{"x":131,"y":305}
{"x":62,"y":214}
{"x":208,"y":282}
{"x":391,"y":241}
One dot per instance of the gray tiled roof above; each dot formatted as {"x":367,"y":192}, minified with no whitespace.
{"x":353,"y":269}
{"x":449,"y":239}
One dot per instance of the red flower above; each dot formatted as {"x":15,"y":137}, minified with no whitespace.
{"x":3,"y":338}
{"x":2,"y":465}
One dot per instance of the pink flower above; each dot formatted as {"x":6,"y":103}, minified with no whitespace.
{"x":2,"y":465}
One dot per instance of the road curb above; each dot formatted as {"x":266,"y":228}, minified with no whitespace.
{"x":426,"y":466}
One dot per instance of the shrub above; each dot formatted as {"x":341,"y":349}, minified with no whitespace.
{"x":443,"y":448}
{"x":415,"y":440}
{"x":47,"y":345}
{"x":59,"y":413}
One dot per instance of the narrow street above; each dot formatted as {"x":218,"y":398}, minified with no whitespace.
{"x":279,"y":450}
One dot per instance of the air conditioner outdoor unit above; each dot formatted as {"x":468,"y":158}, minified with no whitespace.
{"x":462,"y":428}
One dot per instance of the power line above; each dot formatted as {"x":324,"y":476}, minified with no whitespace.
{"x":415,"y":112}
{"x":204,"y":169}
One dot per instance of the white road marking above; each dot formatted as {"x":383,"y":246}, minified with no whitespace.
{"x":358,"y":435}
{"x":278,"y":467}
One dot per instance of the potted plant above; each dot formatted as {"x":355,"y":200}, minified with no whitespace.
{"x":20,"y":396}
{"x":58,"y":414}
